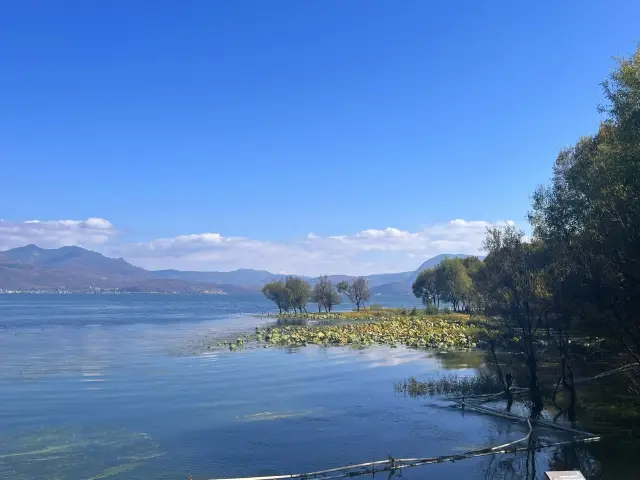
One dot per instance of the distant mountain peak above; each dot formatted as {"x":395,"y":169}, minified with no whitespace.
{"x":28,"y":248}
{"x":437,"y":260}
{"x":74,"y":258}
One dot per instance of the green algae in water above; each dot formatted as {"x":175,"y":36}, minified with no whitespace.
{"x":113,"y":471}
{"x":67,"y":454}
{"x":266,"y":416}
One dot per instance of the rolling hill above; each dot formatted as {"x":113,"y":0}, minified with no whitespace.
{"x":244,"y":277}
{"x":75,"y":268}
{"x":78,"y":269}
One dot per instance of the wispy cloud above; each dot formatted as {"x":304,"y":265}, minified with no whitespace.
{"x":368,"y":251}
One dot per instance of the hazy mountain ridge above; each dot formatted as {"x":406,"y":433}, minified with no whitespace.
{"x":75,"y":268}
{"x":78,"y":269}
{"x":243,"y":277}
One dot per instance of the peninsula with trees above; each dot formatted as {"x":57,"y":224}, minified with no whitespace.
{"x":555,"y":313}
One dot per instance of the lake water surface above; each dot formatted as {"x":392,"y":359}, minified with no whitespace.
{"x":108,"y":387}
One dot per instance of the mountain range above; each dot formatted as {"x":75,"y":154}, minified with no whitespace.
{"x":77,"y":269}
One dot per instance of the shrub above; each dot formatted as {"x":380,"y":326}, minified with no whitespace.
{"x":431,"y":309}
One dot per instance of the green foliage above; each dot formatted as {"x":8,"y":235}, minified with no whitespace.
{"x":431,"y":309}
{"x":515,"y":280}
{"x":588,"y":218}
{"x":325,"y":295}
{"x":357,"y":291}
{"x":452,"y":281}
{"x":278,"y":293}
{"x":300,"y":291}
{"x":456,"y":282}
{"x":427,"y":287}
{"x":293,"y":293}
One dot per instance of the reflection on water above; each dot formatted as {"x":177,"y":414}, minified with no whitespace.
{"x":92,"y":388}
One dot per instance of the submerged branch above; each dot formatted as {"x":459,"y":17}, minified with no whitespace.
{"x":393,"y":464}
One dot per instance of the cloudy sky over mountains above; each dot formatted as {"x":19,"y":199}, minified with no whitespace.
{"x":364,"y":252}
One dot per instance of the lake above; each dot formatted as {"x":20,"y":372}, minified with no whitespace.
{"x":100,"y":386}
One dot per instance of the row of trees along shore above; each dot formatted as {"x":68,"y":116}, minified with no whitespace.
{"x":293,"y":293}
{"x":579,"y":273}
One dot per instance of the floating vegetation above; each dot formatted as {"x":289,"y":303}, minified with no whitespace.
{"x":371,"y":313}
{"x":449,"y":331}
{"x":66,"y":454}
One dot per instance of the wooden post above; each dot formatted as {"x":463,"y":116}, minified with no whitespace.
{"x":574,"y":475}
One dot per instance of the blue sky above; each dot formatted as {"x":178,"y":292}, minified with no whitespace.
{"x":263,"y":122}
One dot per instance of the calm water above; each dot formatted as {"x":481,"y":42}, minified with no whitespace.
{"x":104,"y":387}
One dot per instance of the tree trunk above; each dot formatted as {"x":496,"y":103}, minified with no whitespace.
{"x":505,"y":380}
{"x":534,"y":388}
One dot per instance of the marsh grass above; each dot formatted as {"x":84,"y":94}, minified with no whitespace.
{"x":301,"y":322}
{"x":451,"y":385}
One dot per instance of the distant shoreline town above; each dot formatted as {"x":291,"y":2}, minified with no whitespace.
{"x":34,"y":270}
{"x":63,"y":291}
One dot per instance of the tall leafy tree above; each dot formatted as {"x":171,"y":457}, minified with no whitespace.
{"x":589,"y":217}
{"x":426,"y":287}
{"x":516,"y":284}
{"x":300,"y":291}
{"x":357,"y":291}
{"x":473,"y":297}
{"x":278,"y":293}
{"x":324,"y":294}
{"x":456,"y":282}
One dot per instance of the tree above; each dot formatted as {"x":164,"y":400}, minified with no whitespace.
{"x":357,"y":291}
{"x":324,"y":294}
{"x":456,"y":282}
{"x":300,"y":291}
{"x":426,"y":287}
{"x":589,"y":217}
{"x":516,"y":285}
{"x":451,"y":281}
{"x":278,"y":293}
{"x":474,"y":267}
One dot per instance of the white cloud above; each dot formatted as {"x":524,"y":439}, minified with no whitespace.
{"x":89,"y":233}
{"x":368,"y":251}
